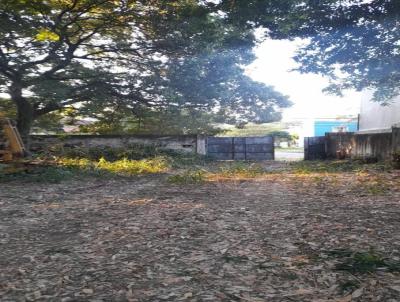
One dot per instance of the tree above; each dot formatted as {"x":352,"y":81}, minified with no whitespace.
{"x":170,"y":121}
{"x":355,"y":43}
{"x":99,"y":53}
{"x":216,"y":83}
{"x":361,"y":41}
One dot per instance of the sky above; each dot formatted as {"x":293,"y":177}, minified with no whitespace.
{"x":272,"y":67}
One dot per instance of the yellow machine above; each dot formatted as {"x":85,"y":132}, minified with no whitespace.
{"x":11,"y":145}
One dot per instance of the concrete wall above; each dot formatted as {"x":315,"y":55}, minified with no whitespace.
{"x":190,"y":143}
{"x":374,"y":116}
{"x":362,"y":145}
{"x":378,"y":145}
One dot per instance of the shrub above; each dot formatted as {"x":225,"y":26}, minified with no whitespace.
{"x":133,"y":167}
{"x":124,"y":166}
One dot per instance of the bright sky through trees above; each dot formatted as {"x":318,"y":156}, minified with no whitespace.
{"x":273,"y":65}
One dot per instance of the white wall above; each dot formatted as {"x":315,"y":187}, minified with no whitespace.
{"x":304,"y":129}
{"x":374,"y":116}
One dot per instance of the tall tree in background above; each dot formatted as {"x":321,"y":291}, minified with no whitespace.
{"x":99,"y":53}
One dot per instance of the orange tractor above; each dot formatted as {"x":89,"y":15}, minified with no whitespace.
{"x":11,"y":145}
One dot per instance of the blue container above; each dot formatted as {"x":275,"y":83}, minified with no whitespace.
{"x":321,"y":127}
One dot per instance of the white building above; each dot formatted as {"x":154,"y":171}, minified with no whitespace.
{"x":377,"y":118}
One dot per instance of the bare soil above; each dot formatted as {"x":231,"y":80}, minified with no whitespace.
{"x":272,"y":238}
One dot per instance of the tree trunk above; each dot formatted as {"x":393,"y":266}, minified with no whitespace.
{"x":25,"y":112}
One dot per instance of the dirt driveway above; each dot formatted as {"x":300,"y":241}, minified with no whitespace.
{"x":284,"y":237}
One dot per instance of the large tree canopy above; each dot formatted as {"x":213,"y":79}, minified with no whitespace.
{"x":100,"y":53}
{"x":356,"y":43}
{"x":186,"y":53}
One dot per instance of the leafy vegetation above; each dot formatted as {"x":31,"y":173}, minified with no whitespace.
{"x":129,"y":57}
{"x":363,"y":262}
{"x":336,"y":166}
{"x":252,"y":129}
{"x":63,"y":163}
{"x":146,"y":59}
{"x":175,"y":159}
{"x":66,"y":168}
{"x":354,"y":43}
{"x":236,"y":170}
{"x":163,"y":121}
{"x":123,"y":166}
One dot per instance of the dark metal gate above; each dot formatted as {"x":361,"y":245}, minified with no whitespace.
{"x":314,"y":148}
{"x":241,"y":148}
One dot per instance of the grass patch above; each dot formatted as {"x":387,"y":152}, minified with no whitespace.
{"x":232,"y":170}
{"x":134,"y":167}
{"x":122,"y":167}
{"x":337,"y":166}
{"x":184,"y":160}
{"x":376,"y":187}
{"x":188,"y":177}
{"x":363,"y":262}
{"x":241,"y":170}
{"x":40,"y":174}
{"x":67,"y":168}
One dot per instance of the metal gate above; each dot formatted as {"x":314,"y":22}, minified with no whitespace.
{"x":314,"y":148}
{"x":241,"y":148}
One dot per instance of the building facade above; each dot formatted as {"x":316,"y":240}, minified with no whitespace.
{"x":375,"y":117}
{"x":334,"y":125}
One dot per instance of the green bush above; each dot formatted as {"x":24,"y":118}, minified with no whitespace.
{"x":122,"y":167}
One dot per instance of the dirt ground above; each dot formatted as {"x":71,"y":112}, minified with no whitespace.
{"x":280,"y":237}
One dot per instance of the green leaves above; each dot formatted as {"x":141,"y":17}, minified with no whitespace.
{"x":178,"y":56}
{"x":46,"y":35}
